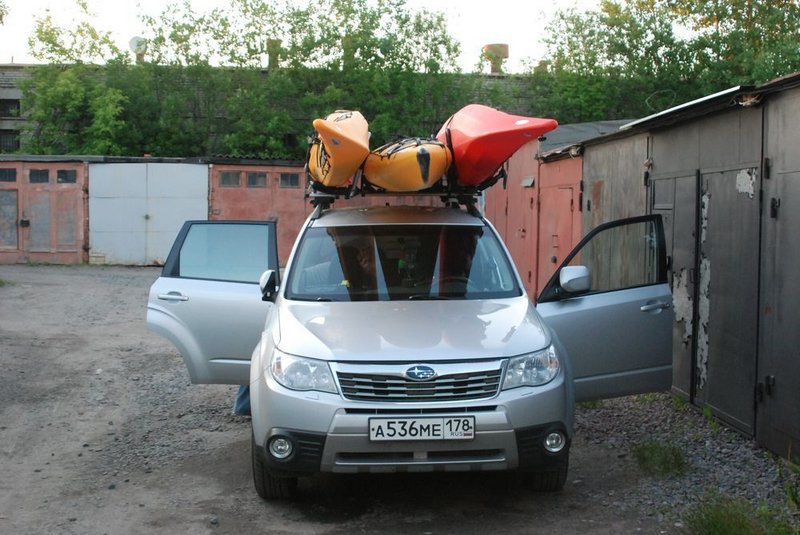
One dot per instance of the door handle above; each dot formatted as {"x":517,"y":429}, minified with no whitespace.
{"x":650,"y":307}
{"x":173,"y":296}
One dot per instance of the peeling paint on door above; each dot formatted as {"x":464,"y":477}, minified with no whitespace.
{"x":746,"y":182}
{"x":682,"y":304}
{"x":703,"y":312}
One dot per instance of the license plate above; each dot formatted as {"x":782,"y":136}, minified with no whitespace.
{"x":445,"y":428}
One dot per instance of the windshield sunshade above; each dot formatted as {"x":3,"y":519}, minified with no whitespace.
{"x":400,"y":262}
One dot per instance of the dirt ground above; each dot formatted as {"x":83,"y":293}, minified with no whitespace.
{"x":101,"y":432}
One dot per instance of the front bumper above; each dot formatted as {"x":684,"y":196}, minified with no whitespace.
{"x":330,"y":434}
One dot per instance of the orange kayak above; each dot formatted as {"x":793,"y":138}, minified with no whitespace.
{"x":483,"y":138}
{"x":411,"y":164}
{"x":339,"y":149}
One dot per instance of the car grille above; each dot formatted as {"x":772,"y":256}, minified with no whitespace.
{"x":454,"y":387}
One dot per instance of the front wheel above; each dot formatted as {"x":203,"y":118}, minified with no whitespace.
{"x":551,"y":480}
{"x":268,"y":485}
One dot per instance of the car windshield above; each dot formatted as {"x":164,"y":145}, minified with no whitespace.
{"x":400,"y":262}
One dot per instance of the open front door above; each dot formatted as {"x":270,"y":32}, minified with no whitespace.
{"x":613,"y":317}
{"x":207,"y":301}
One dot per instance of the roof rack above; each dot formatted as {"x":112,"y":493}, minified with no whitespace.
{"x":322,"y":197}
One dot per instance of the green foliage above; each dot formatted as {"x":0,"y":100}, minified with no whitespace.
{"x":712,"y":421}
{"x":590,"y":405}
{"x":76,"y":41}
{"x":377,"y":57}
{"x":679,"y":403}
{"x":2,"y":283}
{"x":3,"y":12}
{"x":717,"y":514}
{"x":659,"y":459}
{"x":631,"y":58}
{"x":791,"y":477}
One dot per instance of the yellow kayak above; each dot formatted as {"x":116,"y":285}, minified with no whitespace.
{"x":411,"y":164}
{"x":341,"y":144}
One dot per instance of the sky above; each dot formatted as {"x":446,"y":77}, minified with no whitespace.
{"x":474,"y":23}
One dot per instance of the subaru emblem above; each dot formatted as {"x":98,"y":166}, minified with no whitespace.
{"x":420,"y":373}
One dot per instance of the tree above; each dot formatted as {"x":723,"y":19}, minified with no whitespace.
{"x":78,"y":41}
{"x":669,"y":51}
{"x":741,"y":41}
{"x":71,"y":112}
{"x":3,"y":11}
{"x":377,"y":57}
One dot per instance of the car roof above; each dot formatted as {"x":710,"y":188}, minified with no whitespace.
{"x":396,"y":215}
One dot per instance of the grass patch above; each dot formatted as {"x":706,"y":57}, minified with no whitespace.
{"x":596,"y":404}
{"x":647,"y":399}
{"x":723,"y":515}
{"x":712,"y":422}
{"x":2,"y":283}
{"x":658,"y":459}
{"x":678,"y":403}
{"x":792,"y":484}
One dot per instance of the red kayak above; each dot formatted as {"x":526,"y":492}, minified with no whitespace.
{"x":483,"y":138}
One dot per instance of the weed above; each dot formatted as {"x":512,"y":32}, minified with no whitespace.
{"x":588,"y":405}
{"x":712,"y":422}
{"x":717,"y":514}
{"x":792,"y":485}
{"x":2,"y":283}
{"x":659,"y":459}
{"x":648,"y":399}
{"x":679,"y":403}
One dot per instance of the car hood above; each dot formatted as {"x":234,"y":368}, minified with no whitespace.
{"x":410,"y":330}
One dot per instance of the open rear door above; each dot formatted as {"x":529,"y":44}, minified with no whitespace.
{"x":207,"y":301}
{"x":614,"y":318}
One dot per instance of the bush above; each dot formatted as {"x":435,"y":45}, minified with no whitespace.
{"x":724,"y":515}
{"x":657,"y":459}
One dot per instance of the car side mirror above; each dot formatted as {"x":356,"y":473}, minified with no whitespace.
{"x":268,"y":284}
{"x":575,"y":279}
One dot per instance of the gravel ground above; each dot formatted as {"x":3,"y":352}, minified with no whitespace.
{"x":719,"y":459}
{"x":102,"y":432}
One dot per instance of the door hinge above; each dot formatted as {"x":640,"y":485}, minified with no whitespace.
{"x":765,"y":388}
{"x":769,"y":385}
{"x":580,"y":201}
{"x":766,"y":168}
{"x":774,"y":205}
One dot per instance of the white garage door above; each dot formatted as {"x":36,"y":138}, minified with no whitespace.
{"x":137,"y":209}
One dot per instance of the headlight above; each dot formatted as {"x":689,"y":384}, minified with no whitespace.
{"x":298,"y":373}
{"x":531,"y":370}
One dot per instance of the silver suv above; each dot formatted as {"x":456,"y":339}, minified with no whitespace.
{"x":401,"y":339}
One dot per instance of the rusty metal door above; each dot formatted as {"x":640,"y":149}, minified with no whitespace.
{"x":522,"y":220}
{"x":778,"y":409}
{"x":728,"y":295}
{"x":9,"y":211}
{"x":675,"y":198}
{"x":557,"y":205}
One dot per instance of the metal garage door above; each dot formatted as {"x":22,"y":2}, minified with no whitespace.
{"x":137,"y":209}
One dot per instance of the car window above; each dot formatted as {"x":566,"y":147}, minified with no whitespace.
{"x":398,"y":262}
{"x":229,"y":252}
{"x":619,"y":255}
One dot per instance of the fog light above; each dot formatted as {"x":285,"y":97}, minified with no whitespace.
{"x":280,"y":447}
{"x":554,"y":442}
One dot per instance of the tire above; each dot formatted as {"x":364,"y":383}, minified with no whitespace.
{"x":552,"y":480}
{"x":268,"y":485}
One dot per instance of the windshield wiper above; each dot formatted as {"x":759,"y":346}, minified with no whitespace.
{"x":427,"y":297}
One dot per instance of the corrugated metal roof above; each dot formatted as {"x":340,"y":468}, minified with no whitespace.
{"x":729,"y":98}
{"x":570,"y":134}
